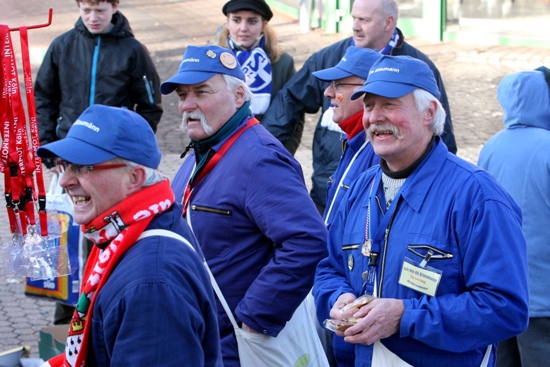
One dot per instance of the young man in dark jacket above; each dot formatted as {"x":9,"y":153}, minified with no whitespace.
{"x":97,"y":62}
{"x":374,"y":26}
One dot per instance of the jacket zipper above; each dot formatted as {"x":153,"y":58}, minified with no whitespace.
{"x":210,"y":210}
{"x":383,"y":268}
{"x":93,"y":76}
{"x":148,"y":89}
{"x":386,"y":236}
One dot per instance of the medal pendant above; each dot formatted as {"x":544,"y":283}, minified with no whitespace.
{"x":365,"y":249}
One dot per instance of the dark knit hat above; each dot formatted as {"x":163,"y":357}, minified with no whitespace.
{"x":257,"y":6}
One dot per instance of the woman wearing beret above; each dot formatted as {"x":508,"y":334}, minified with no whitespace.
{"x":253,"y":41}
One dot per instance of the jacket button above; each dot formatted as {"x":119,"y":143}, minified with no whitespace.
{"x":265,"y":332}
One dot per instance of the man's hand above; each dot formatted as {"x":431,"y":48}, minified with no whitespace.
{"x":342,"y":301}
{"x":379,"y":319}
{"x":336,"y":310}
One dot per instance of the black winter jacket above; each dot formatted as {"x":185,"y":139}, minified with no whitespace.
{"x":304,"y":93}
{"x":81,"y":68}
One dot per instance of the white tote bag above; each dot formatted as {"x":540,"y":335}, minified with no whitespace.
{"x":297,"y":344}
{"x":383,"y":357}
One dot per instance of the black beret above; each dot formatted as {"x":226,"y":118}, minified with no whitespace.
{"x":257,"y":6}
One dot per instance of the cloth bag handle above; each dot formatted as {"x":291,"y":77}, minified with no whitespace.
{"x":166,"y":233}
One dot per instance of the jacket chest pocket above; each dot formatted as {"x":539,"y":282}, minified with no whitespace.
{"x":208,"y":209}
{"x":438,"y":254}
{"x":214,"y":229}
{"x":354,"y":261}
{"x":424,"y":248}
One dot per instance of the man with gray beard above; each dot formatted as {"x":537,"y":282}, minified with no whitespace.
{"x":245,"y":198}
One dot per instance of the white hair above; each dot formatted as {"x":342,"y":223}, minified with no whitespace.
{"x":233,"y":83}
{"x":422,"y":100}
{"x":152,"y":176}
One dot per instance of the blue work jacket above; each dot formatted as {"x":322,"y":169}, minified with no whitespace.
{"x":259,"y":231}
{"x":358,"y":156}
{"x":157,"y":308}
{"x":466,"y":218}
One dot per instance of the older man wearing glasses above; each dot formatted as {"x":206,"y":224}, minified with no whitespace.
{"x":357,"y":155}
{"x":145,"y":264}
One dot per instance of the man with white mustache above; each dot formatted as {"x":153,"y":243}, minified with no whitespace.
{"x":374,"y":26}
{"x":245,"y":198}
{"x":195,"y":115}
{"x":426,"y":236}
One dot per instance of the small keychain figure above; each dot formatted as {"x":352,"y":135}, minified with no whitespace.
{"x":366,"y":248}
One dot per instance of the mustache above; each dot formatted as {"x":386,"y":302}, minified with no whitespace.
{"x":195,"y":115}
{"x":384,"y":129}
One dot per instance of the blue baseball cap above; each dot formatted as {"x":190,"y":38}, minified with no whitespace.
{"x":356,"y":61}
{"x":201,"y":63}
{"x":102,"y":133}
{"x":396,"y":76}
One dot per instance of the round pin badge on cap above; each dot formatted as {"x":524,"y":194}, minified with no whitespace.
{"x":228,"y":60}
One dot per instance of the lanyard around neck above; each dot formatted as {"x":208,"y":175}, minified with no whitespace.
{"x":369,"y":276}
{"x":371,"y":249}
{"x":212,"y":162}
{"x":341,"y":182}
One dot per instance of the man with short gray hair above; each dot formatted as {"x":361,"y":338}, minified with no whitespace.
{"x":418,"y":250}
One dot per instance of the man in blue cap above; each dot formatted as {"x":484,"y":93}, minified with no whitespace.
{"x":145,"y":265}
{"x":374,"y":26}
{"x":427,"y":259}
{"x":345,"y":78}
{"x":245,"y":197}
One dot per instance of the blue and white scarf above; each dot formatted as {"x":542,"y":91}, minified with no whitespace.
{"x":256,"y":67}
{"x":393,"y":42}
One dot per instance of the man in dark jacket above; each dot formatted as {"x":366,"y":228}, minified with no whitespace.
{"x":146,"y":298}
{"x":97,"y":62}
{"x":374,"y":26}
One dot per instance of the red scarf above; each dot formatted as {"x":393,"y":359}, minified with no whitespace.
{"x":352,"y":125}
{"x":116,"y":230}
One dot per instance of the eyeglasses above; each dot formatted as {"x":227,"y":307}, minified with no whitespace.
{"x":337,"y":85}
{"x":79,"y":169}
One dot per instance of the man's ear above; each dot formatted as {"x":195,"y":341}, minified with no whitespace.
{"x":389,"y":23}
{"x":240,"y":96}
{"x":429,"y":113}
{"x":136,"y":178}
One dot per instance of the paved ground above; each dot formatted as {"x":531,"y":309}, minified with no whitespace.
{"x":471,"y":74}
